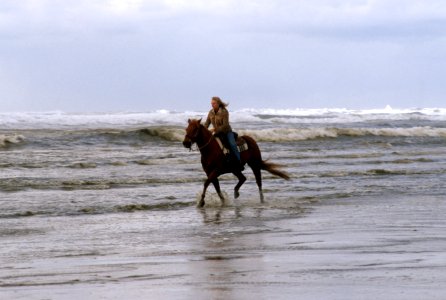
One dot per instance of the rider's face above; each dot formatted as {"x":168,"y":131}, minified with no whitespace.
{"x":214,"y":104}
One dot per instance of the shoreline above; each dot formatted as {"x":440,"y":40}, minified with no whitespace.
{"x":341,"y":249}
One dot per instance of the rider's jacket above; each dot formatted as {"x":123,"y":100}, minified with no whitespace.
{"x":219,"y":119}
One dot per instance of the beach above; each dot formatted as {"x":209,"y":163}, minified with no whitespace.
{"x":104,"y":207}
{"x":345,"y":249}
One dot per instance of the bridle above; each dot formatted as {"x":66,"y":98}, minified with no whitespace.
{"x":193,"y":139}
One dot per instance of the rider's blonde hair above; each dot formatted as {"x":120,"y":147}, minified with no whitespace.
{"x":220,"y":103}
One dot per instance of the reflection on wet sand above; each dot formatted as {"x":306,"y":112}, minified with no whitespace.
{"x":228,"y":256}
{"x":341,"y":250}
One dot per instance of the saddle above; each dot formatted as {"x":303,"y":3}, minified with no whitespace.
{"x":224,"y":146}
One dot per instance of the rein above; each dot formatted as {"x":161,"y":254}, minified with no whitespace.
{"x":207,"y":144}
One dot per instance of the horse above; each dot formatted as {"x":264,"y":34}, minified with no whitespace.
{"x":215,"y":163}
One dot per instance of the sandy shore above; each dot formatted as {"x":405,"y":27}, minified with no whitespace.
{"x":342,"y":249}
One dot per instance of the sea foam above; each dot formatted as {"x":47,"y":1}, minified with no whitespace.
{"x":62,"y":120}
{"x":6,"y":140}
{"x":297,"y":134}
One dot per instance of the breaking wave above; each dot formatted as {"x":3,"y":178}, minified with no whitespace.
{"x":300,"y":134}
{"x":8,"y":140}
{"x":168,"y":133}
{"x":176,"y":134}
{"x":62,"y":120}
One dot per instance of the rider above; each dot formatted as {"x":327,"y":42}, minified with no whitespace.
{"x":219,"y":117}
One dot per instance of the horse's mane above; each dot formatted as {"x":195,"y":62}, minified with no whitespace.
{"x":199,"y":124}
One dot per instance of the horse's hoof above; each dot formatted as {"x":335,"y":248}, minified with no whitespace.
{"x":262,"y":199}
{"x":236,"y":194}
{"x":201,"y":203}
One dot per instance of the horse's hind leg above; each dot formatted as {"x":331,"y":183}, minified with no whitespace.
{"x":241,"y":180}
{"x":258,"y":174}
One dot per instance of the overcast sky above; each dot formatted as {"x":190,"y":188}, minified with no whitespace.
{"x":142,"y":55}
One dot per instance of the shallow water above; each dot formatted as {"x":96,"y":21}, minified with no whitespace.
{"x":376,"y":248}
{"x":108,"y":209}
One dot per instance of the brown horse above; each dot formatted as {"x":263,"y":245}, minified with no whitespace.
{"x":215,"y":163}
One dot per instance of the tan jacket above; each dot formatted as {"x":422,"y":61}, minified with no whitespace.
{"x":220,"y":120}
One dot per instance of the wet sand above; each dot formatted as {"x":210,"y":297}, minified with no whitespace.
{"x":354,"y":248}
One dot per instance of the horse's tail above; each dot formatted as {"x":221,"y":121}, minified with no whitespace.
{"x":274,"y":169}
{"x":256,"y":159}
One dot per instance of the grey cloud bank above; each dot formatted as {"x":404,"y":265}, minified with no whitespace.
{"x":147,"y":55}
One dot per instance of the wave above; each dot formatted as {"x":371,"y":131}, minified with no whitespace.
{"x":50,"y":138}
{"x":333,"y":111}
{"x":62,"y":120}
{"x":175,"y":134}
{"x":167,"y":133}
{"x":21,"y":184}
{"x":166,"y":205}
{"x":371,"y":172}
{"x":296,"y":134}
{"x":337,"y":115}
{"x":8,"y":140}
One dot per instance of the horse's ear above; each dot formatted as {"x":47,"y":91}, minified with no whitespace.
{"x":188,"y":121}
{"x":199,"y":121}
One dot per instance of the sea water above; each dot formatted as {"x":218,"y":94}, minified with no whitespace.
{"x":80,"y":189}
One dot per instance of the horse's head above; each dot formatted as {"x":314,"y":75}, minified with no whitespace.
{"x":192,"y":132}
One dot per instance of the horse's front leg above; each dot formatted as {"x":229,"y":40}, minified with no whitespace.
{"x":203,"y":194}
{"x":241,"y":180}
{"x":216,"y":184}
{"x":211,"y":177}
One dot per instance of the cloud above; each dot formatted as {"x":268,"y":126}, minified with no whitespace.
{"x":123,"y":52}
{"x":318,"y":17}
{"x":348,"y":19}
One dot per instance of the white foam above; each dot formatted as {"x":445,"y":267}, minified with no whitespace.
{"x":11,"y":139}
{"x":325,"y":111}
{"x":57,"y":119}
{"x":213,"y":200}
{"x":336,"y":115}
{"x":296,"y":134}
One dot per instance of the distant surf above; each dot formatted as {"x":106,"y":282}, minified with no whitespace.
{"x":62,"y":120}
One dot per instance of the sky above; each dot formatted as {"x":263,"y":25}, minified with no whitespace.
{"x":145,"y":55}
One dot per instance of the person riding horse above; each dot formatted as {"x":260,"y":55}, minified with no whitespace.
{"x":219,"y":118}
{"x":214,"y":164}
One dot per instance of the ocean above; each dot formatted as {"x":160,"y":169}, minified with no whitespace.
{"x":103,"y":205}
